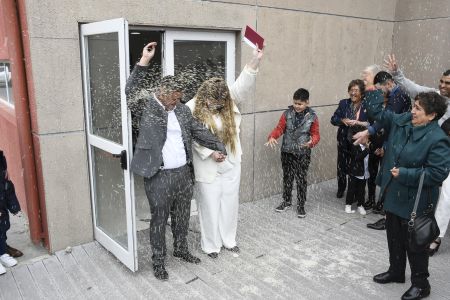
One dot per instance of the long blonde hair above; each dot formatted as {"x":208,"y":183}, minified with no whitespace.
{"x":216,"y":89}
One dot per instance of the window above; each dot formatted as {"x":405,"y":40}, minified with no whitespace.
{"x":5,"y":83}
{"x":199,"y":55}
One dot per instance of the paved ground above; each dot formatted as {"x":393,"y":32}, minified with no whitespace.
{"x":328,"y":255}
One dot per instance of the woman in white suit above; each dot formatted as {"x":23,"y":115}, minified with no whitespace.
{"x":218,"y":176}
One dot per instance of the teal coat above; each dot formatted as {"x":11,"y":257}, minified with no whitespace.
{"x":410,"y":149}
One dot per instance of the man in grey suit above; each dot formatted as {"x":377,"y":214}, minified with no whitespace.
{"x":163,"y":156}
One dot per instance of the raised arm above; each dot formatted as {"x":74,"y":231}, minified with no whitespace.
{"x":244,"y":86}
{"x":408,"y":85}
{"x":375,"y":110}
{"x":136,"y":81}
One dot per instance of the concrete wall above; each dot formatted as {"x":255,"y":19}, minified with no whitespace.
{"x":319,"y":45}
{"x":422,"y":39}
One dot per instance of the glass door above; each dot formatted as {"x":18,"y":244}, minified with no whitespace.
{"x":105,"y":65}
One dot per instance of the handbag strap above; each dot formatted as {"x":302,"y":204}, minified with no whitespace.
{"x":419,"y":191}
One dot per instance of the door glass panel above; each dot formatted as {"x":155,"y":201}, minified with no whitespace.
{"x":110,"y":205}
{"x":104,"y":84}
{"x":6,"y":83}
{"x":198,"y":61}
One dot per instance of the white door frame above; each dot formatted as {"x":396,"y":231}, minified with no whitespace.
{"x":171,"y":36}
{"x":127,"y":256}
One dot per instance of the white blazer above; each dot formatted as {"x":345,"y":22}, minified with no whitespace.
{"x":205,"y":168}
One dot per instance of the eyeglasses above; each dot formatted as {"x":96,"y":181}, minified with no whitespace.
{"x":445,"y":82}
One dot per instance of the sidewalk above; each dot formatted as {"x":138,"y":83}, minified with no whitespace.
{"x":327,"y":255}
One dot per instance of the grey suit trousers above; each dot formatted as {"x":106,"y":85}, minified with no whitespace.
{"x":169,"y":192}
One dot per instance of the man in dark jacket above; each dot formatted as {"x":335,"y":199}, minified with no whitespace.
{"x":163,"y":156}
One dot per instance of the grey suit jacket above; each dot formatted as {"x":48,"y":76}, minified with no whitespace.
{"x":148,"y":158}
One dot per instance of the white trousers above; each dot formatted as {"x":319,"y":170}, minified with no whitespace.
{"x":442,"y":214}
{"x":218,"y":204}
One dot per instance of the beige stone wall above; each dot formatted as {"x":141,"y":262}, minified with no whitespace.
{"x":422,"y":39}
{"x":317,"y":44}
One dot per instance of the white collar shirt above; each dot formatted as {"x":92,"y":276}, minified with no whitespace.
{"x":173,"y":152}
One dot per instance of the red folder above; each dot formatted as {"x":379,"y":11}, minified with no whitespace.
{"x":252,"y":38}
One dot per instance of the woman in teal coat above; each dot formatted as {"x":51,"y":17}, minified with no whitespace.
{"x":415,"y":144}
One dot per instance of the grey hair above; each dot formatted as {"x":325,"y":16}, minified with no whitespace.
{"x":374,"y":69}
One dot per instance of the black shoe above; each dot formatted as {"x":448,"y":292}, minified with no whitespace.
{"x":388,"y":277}
{"x":233,"y":249}
{"x":368,"y":205}
{"x":414,"y":293}
{"x":160,"y":272}
{"x":187,"y":257}
{"x":339,"y":194}
{"x":213,"y":255}
{"x":283,"y":206}
{"x":378,"y":208}
{"x":13,"y":252}
{"x":301,"y":212}
{"x":378,"y":225}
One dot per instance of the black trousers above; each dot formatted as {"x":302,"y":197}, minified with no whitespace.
{"x":295,"y":166}
{"x":374,"y":162}
{"x":397,"y":231}
{"x":342,"y":163}
{"x":169,"y":192}
{"x":356,"y":191}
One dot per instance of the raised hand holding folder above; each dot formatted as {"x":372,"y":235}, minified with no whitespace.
{"x":252,"y":38}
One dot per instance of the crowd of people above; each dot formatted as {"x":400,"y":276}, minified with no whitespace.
{"x":406,"y":140}
{"x":383,"y":138}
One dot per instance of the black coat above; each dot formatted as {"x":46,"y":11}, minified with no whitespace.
{"x":356,"y":160}
{"x":8,"y":198}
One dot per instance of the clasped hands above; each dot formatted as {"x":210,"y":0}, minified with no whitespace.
{"x":350,"y":122}
{"x":218,"y":156}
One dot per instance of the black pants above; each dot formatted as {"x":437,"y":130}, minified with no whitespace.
{"x":295,"y":166}
{"x":4,"y":226}
{"x":169,"y":192}
{"x":396,"y":231}
{"x":342,"y":163}
{"x":356,"y":191}
{"x":374,"y":162}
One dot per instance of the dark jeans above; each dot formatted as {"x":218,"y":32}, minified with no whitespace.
{"x":169,"y":192}
{"x":374,"y":162}
{"x":295,"y":166}
{"x":397,"y":231}
{"x":356,"y":191}
{"x":342,"y":163}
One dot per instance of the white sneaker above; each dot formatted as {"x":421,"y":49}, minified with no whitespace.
{"x":361,"y":210}
{"x":2,"y":269}
{"x":348,"y":209}
{"x":7,"y":260}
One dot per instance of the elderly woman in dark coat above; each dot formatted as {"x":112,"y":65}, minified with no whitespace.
{"x":415,"y":144}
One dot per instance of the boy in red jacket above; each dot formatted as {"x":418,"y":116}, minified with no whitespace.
{"x":299,"y":126}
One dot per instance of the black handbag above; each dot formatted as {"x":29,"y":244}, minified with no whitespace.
{"x":424,"y":229}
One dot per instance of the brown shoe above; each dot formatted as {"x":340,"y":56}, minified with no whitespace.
{"x":13,"y":251}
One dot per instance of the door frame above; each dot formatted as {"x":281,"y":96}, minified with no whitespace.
{"x":120,"y":26}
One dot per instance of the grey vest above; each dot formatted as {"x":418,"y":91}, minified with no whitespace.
{"x":295,"y":137}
